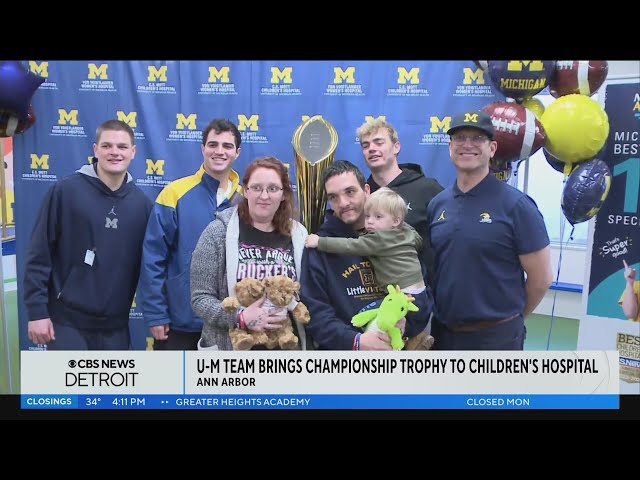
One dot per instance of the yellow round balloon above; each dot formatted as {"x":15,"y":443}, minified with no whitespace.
{"x":577,"y":128}
{"x":535,"y":105}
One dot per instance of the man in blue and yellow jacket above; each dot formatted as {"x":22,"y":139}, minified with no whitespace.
{"x":181,"y":212}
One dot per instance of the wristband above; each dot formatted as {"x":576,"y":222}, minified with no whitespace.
{"x":356,"y":341}
{"x":240,"y":323}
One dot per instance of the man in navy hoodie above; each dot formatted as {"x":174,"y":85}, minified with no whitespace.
{"x":83,"y":261}
{"x":336,"y":287}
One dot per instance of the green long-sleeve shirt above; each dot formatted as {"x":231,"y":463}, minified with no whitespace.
{"x":393,"y":253}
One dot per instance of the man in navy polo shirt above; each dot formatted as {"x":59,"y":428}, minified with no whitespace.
{"x":486,"y":235}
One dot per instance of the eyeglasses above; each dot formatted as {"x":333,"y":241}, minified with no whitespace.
{"x":475,"y":139}
{"x":271,"y":189}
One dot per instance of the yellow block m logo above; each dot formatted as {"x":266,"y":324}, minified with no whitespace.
{"x":370,"y":118}
{"x":155,"y":168}
{"x":285,"y":75}
{"x":471,"y":76}
{"x":101,"y":71}
{"x":520,"y":65}
{"x":65,"y":117}
{"x":438,"y":125}
{"x":244,"y":122}
{"x":157,"y":74}
{"x":130,"y":119}
{"x":471,"y":117}
{"x":41,"y":69}
{"x":189,"y":122}
{"x":39,"y":162}
{"x":222,"y":75}
{"x":349,"y":75}
{"x":411,"y":75}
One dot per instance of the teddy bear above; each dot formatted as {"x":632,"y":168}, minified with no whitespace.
{"x":279,"y":291}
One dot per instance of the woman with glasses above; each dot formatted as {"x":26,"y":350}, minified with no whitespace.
{"x":257,"y":239}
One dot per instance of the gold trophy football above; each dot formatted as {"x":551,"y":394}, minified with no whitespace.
{"x":314,"y":143}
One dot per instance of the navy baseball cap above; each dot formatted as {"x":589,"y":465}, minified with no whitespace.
{"x":475,"y":119}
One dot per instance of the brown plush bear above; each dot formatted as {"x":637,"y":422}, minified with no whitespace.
{"x":279,"y":291}
{"x":422,"y":341}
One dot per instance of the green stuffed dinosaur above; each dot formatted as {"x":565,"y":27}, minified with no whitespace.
{"x":393,"y":308}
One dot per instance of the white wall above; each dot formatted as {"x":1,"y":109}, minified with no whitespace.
{"x":572,"y":270}
{"x":623,"y":68}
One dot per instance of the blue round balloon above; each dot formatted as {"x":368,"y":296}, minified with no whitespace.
{"x":585,"y":191}
{"x":17,"y":86}
{"x":521,"y":79}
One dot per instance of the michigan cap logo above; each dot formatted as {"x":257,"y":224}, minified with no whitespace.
{"x":479,"y":119}
{"x":471,"y":117}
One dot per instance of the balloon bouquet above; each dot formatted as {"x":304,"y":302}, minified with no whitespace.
{"x":17,"y":86}
{"x":572,"y":130}
{"x":519,"y":131}
{"x":577,"y":128}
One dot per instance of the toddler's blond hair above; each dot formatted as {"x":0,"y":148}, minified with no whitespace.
{"x":386,"y":200}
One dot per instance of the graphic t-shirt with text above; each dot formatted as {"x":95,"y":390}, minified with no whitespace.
{"x":264,"y":254}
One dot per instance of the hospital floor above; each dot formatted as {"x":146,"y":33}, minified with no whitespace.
{"x":564,"y":337}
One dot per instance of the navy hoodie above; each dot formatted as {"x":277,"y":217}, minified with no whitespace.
{"x":417,"y":190}
{"x":81,"y":214}
{"x":334,"y":288}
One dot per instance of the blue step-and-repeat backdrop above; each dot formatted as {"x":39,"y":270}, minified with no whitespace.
{"x":169,"y":103}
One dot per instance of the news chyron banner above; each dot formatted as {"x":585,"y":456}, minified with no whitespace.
{"x":320,"y":380}
{"x":614,"y":238}
{"x":169,"y":103}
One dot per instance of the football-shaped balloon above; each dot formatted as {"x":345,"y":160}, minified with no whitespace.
{"x":585,"y":191}
{"x":11,"y":124}
{"x":518,"y":131}
{"x":520,"y":79}
{"x":578,"y":76}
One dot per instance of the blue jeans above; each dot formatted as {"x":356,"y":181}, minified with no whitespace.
{"x":71,"y":338}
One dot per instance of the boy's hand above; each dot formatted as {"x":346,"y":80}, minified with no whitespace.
{"x":311,"y":241}
{"x":629,"y":273}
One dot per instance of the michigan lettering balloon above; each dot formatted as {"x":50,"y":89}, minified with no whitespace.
{"x":520,"y":79}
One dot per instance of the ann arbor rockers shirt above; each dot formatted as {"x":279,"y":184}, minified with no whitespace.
{"x":264,"y":254}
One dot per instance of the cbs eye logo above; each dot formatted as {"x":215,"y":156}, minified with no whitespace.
{"x":84,"y":363}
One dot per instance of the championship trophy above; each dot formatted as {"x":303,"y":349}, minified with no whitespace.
{"x":314,"y":143}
